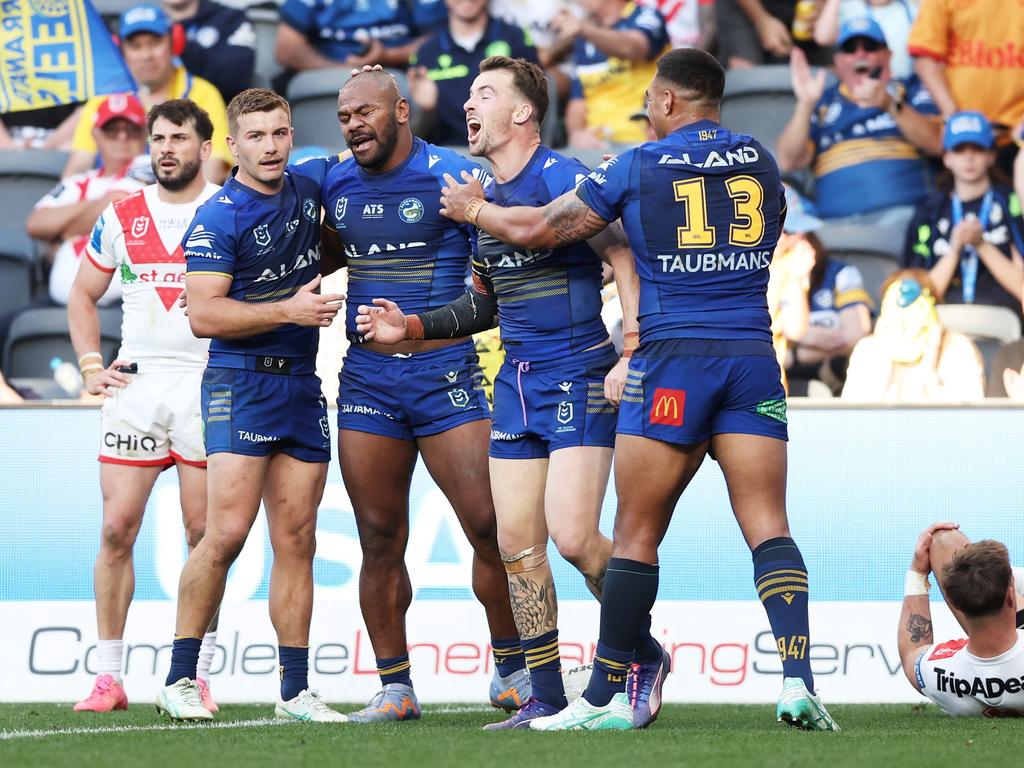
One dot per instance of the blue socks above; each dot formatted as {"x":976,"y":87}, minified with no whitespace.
{"x":396,"y":669}
{"x":508,"y":655}
{"x":781,"y":580}
{"x":543,"y":660}
{"x":294,"y":670}
{"x":184,"y":659}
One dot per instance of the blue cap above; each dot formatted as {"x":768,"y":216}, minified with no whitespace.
{"x":968,"y":128}
{"x":144,"y":18}
{"x":865,"y":26}
{"x":800,"y":217}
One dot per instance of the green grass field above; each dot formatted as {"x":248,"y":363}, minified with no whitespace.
{"x":715,"y":735}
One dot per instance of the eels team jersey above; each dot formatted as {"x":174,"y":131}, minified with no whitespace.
{"x":701,"y":209}
{"x":138,"y":240}
{"x":549,"y":302}
{"x":397,"y":243}
{"x":269,"y":247}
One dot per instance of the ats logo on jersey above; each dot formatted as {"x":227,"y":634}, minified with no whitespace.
{"x":373,"y":211}
{"x":262,"y":234}
{"x":668,"y":407}
{"x":140,"y":226}
{"x":410,"y":210}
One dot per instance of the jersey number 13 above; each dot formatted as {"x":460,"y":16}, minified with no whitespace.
{"x":747,"y":227}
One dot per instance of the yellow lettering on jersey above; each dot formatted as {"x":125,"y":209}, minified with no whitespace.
{"x":747,"y":196}
{"x":696,"y":233}
{"x":707,"y":135}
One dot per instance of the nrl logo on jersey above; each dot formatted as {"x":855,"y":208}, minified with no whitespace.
{"x":310,"y":209}
{"x":340,"y":207}
{"x":262,"y":235}
{"x":140,"y":226}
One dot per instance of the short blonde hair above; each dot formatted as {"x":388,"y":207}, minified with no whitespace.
{"x":255,"y":100}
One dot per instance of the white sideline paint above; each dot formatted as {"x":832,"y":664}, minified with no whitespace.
{"x":42,"y":734}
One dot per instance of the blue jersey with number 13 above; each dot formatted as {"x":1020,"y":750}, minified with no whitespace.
{"x":701,"y":209}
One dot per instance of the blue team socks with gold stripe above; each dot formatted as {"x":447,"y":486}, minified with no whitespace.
{"x":396,"y":669}
{"x":508,"y":655}
{"x":781,"y":580}
{"x":630,"y":589}
{"x":542,"y":659}
{"x":294,"y":670}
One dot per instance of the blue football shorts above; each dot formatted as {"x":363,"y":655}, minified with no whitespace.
{"x":542,"y":407}
{"x":410,"y":396}
{"x":684,"y":391}
{"x":254,"y":413}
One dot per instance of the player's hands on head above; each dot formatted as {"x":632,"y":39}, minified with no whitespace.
{"x":384,"y":322}
{"x":615,"y":382}
{"x":309,"y":308}
{"x":365,"y":68}
{"x":922,"y":562}
{"x":109,"y":380}
{"x":807,"y":86}
{"x":455,"y":196}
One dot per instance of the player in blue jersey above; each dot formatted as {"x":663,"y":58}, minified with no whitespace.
{"x":422,"y":397}
{"x":253,"y":256}
{"x":554,"y":397}
{"x":702,"y":209}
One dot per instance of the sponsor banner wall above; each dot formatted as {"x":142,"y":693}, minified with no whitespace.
{"x":721,"y":651}
{"x":862,"y":484}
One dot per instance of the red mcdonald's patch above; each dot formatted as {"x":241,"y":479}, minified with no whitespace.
{"x":667,"y":406}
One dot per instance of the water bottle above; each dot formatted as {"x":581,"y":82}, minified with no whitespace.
{"x":67,"y":376}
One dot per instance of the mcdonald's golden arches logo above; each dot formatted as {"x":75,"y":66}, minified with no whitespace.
{"x":668,"y":406}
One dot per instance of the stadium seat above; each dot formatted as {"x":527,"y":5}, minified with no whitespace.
{"x":988,"y":327}
{"x":19,"y":269}
{"x":313,"y":95}
{"x":40,"y":334}
{"x":875,"y":251}
{"x":264,"y":21}
{"x":25,"y":176}
{"x":759,"y":101}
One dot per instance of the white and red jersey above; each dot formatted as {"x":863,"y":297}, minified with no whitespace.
{"x":964,"y":685}
{"x":682,"y":19}
{"x":91,"y":185}
{"x":139,"y":240}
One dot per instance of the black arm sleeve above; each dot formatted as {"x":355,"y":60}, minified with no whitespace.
{"x":474,"y":311}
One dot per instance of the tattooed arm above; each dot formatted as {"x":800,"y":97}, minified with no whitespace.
{"x":566,"y":219}
{"x":915,"y":630}
{"x":915,"y":633}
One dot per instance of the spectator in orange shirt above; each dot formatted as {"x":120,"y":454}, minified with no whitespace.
{"x":970,"y":56}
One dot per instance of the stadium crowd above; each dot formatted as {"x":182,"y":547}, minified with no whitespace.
{"x":866,"y":144}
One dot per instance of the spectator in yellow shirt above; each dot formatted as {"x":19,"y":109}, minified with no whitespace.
{"x":148,"y":49}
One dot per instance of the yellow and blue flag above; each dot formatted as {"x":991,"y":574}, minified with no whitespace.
{"x":56,"y":52}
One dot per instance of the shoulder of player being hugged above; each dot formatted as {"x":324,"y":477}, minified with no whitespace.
{"x":210,"y":236}
{"x":441,"y":160}
{"x":561,"y":173}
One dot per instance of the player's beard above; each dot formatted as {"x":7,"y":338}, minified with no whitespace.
{"x":180,"y":177}
{"x":387,"y":140}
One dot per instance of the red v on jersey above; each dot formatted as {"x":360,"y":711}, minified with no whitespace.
{"x":143,"y":244}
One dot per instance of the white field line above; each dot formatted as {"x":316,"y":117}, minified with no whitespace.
{"x":42,"y":734}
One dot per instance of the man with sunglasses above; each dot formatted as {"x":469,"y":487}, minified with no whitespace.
{"x":866,"y":136}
